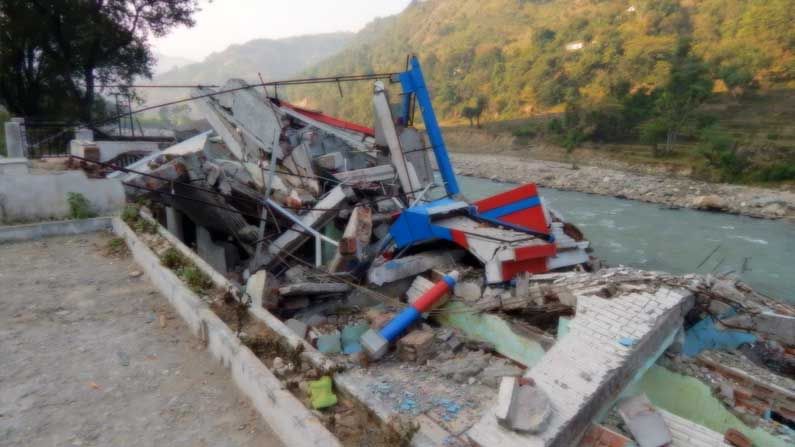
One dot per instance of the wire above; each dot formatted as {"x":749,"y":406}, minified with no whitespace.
{"x":350,"y":78}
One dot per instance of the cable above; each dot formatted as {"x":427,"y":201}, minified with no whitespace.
{"x":350,"y":78}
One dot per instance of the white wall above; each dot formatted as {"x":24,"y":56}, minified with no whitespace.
{"x":109,"y":150}
{"x":29,"y":197}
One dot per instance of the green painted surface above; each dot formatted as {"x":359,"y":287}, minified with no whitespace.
{"x":492,"y":329}
{"x":693,"y":400}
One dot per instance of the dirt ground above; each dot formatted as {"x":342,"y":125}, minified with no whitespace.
{"x":91,"y":355}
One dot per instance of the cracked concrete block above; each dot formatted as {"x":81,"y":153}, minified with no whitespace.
{"x":522,"y":407}
{"x":644,"y":422}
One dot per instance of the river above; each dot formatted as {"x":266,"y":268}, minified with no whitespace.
{"x":647,"y":236}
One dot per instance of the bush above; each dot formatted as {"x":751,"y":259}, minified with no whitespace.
{"x":777,"y":173}
{"x":720,"y":150}
{"x":555,"y":126}
{"x":529,"y":130}
{"x":772,"y":136}
{"x":79,"y":206}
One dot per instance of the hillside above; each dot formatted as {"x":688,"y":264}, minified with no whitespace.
{"x":272,"y":58}
{"x":528,"y":56}
{"x":611,"y":65}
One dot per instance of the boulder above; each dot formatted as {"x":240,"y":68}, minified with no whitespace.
{"x":708,"y":202}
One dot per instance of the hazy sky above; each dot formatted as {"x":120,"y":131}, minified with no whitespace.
{"x":225,"y":22}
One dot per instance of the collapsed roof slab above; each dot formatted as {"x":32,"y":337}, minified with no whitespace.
{"x":609,"y":340}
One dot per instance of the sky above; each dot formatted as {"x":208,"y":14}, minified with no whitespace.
{"x":225,"y":22}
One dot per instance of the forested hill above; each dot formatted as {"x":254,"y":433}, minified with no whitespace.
{"x":274,"y":59}
{"x":531,"y":56}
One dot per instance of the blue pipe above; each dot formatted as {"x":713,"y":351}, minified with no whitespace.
{"x":413,"y":81}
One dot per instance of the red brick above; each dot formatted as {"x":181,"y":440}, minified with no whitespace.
{"x":737,"y":439}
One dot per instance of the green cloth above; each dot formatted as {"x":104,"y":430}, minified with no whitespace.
{"x":321,"y":394}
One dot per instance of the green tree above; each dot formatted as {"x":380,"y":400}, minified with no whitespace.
{"x":65,"y":50}
{"x":689,"y":85}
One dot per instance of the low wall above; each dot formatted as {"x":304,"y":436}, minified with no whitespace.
{"x":19,"y":233}
{"x":34,"y":197}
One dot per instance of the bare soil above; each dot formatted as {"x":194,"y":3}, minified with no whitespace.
{"x":91,"y":355}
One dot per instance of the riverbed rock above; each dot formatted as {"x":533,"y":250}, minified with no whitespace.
{"x":775,"y":209}
{"x":709,"y":202}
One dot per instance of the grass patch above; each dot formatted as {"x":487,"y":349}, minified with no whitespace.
{"x":196,"y":279}
{"x":116,"y":247}
{"x":131,"y":215}
{"x":192,"y":276}
{"x":79,"y":206}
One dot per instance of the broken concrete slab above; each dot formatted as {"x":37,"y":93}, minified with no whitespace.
{"x":646,"y":424}
{"x":588,"y":368}
{"x":778,"y":327}
{"x":405,"y":267}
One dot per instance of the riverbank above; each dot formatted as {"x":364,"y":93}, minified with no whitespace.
{"x":664,"y":190}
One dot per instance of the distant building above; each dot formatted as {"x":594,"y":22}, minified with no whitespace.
{"x":574,"y":46}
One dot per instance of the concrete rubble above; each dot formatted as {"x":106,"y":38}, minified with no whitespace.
{"x":486,"y":322}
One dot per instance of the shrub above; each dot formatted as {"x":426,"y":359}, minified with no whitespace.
{"x":777,"y":173}
{"x":79,"y":206}
{"x":528,"y":130}
{"x":173,"y":259}
{"x":196,"y":279}
{"x":772,"y":136}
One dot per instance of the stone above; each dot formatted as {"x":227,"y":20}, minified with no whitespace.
{"x":329,"y":343}
{"x":460,"y":369}
{"x":644,"y":422}
{"x":775,"y":209}
{"x":297,"y":326}
{"x":727,"y":288}
{"x":522,"y":407}
{"x":492,"y":374}
{"x":415,"y":346}
{"x":708,"y":202}
{"x":469,"y":291}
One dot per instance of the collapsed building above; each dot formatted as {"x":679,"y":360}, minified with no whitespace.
{"x":483,"y":322}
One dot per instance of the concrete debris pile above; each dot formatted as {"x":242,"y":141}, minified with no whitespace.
{"x":485,"y":320}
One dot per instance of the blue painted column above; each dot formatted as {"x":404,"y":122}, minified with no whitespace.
{"x":413,"y":81}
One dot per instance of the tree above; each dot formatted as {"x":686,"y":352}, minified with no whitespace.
{"x":688,"y":86}
{"x":55,"y":50}
{"x":474,"y":112}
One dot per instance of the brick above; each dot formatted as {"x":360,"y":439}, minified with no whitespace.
{"x":735,"y":438}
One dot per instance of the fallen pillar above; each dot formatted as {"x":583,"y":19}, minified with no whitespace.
{"x":377,"y":343}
